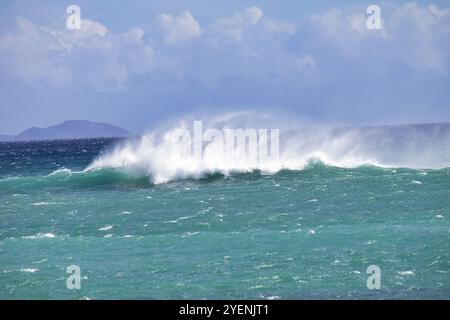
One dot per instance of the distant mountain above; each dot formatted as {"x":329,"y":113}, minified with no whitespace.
{"x":73,"y":129}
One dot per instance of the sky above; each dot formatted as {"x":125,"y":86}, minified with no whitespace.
{"x":139,"y":63}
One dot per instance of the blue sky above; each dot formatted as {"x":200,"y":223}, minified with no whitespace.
{"x":143,"y":62}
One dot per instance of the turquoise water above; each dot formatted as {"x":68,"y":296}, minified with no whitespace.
{"x":296,"y":234}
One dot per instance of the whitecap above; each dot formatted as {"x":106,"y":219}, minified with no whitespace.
{"x":41,"y":261}
{"x":61,"y":172}
{"x":30,"y":270}
{"x":162,"y":157}
{"x":106,"y":228}
{"x":190,"y":234}
{"x":264,"y":266}
{"x":258,"y":286}
{"x":159,"y":154}
{"x":38,"y":204}
{"x":41,"y":236}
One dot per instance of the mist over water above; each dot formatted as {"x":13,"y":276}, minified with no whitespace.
{"x":158,"y":156}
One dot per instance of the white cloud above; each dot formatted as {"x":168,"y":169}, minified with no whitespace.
{"x":178,"y":28}
{"x":34,"y":55}
{"x":412,"y":35}
{"x":235,"y":26}
{"x":135,"y":35}
{"x":253,"y":15}
{"x":420,"y":37}
{"x":59,"y":57}
{"x":247,"y":47}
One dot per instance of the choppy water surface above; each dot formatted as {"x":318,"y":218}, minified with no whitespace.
{"x":307,"y":233}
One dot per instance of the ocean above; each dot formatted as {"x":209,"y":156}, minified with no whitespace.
{"x":306,"y":232}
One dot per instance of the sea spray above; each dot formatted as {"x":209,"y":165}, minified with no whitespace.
{"x":164,"y":156}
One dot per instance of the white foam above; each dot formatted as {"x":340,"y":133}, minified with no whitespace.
{"x":106,"y":228}
{"x":41,"y":236}
{"x":190,"y":234}
{"x":157,"y":156}
{"x":39,"y":204}
{"x":29,"y":270}
{"x":61,"y":172}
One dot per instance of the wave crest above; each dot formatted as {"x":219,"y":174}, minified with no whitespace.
{"x":158,"y":157}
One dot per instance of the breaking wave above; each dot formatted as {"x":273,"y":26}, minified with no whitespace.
{"x":157,"y":154}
